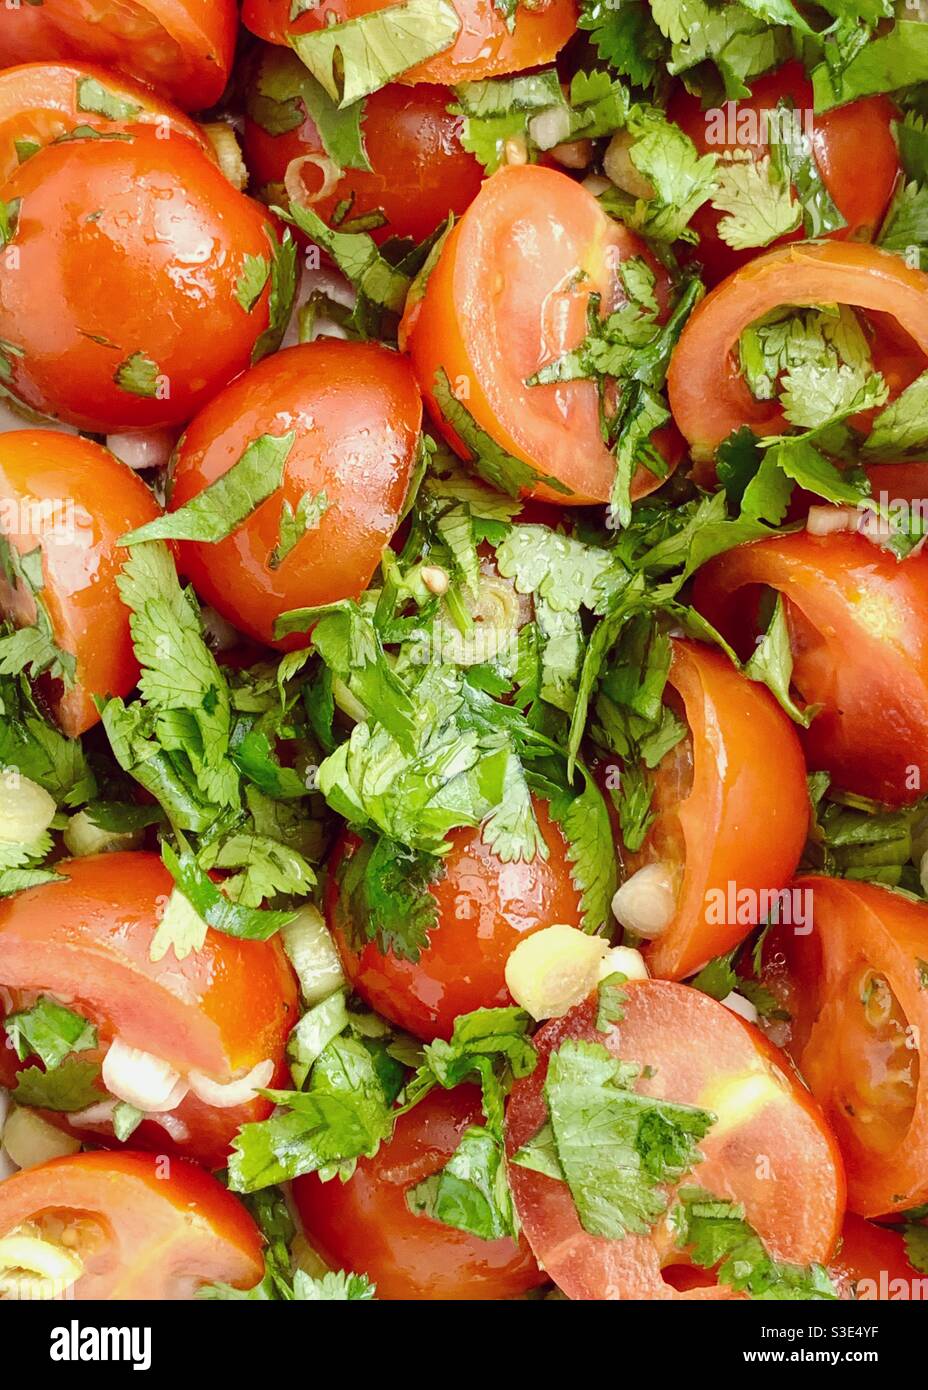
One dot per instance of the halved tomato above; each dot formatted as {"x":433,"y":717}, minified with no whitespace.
{"x":485,"y":908}
{"x":855,"y":989}
{"x":74,"y":499}
{"x":42,"y":102}
{"x":485,"y":46}
{"x":365,"y":1223}
{"x":709,"y":396}
{"x":769,"y":1149}
{"x":509,"y":294}
{"x":182,"y":47}
{"x":836,"y":137}
{"x":858,"y":622}
{"x":355,"y":412}
{"x":132,"y":1226}
{"x":725,"y":859}
{"x":86,"y":940}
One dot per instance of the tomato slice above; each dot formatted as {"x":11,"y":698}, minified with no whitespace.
{"x":508,"y":295}
{"x":74,"y":499}
{"x":709,"y":396}
{"x":485,"y":47}
{"x":142,"y":1227}
{"x":356,"y":413}
{"x":872,"y":1263}
{"x":365,"y":1224}
{"x":420,"y":171}
{"x":769,"y":1150}
{"x":837,"y":138}
{"x":182,"y":47}
{"x":485,"y":908}
{"x":40,"y":102}
{"x":745,"y":754}
{"x":853,"y":988}
{"x":85,"y":940}
{"x":859,"y":631}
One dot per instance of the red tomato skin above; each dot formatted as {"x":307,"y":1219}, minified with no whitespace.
{"x":86,"y":942}
{"x":365,"y":1224}
{"x":860,"y":643}
{"x":838,"y":137}
{"x":746,"y":753}
{"x":485,"y":908}
{"x":75,"y":499}
{"x":183,"y":47}
{"x":160,"y":219}
{"x":357,"y":414}
{"x":858,"y":927}
{"x":420,"y":171}
{"x":168,"y":1227}
{"x":872,"y":1264}
{"x":483,"y":48}
{"x":693,"y":1042}
{"x":503,"y":299}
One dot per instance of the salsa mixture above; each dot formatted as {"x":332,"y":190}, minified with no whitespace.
{"x":463,"y":649}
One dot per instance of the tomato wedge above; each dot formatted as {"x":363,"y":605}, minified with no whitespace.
{"x":365,"y":1223}
{"x":509,"y":294}
{"x":74,"y":499}
{"x":182,"y":47}
{"x":743,"y":754}
{"x":40,"y":102}
{"x":872,"y":1263}
{"x":858,"y":623}
{"x":485,"y":47}
{"x":485,"y":908}
{"x":770,"y":1148}
{"x":142,"y":1227}
{"x":708,"y":394}
{"x":854,"y":989}
{"x":86,"y":942}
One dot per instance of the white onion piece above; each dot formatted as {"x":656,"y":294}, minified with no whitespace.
{"x":98,"y":1116}
{"x":138,"y":1078}
{"x":142,"y":449}
{"x":621,"y":170}
{"x":11,"y":419}
{"x":550,"y":127}
{"x":741,"y":1006}
{"x":173,"y":1127}
{"x":646,"y":904}
{"x":825,"y":521}
{"x":223,"y":1095}
{"x":296,"y":188}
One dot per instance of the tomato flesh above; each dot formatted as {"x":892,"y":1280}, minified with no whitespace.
{"x":770,"y":1148}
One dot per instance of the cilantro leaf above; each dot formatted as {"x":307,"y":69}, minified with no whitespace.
{"x":758,"y":207}
{"x":225,"y":504}
{"x":902,"y":428}
{"x":625,"y":36}
{"x":282,"y":295}
{"x":213,"y":906}
{"x":92,"y":96}
{"x":49,"y":1031}
{"x":772,"y":664}
{"x":139,"y":376}
{"x":384,"y":897}
{"x":283,"y":93}
{"x":250,"y":284}
{"x":67,"y":1088}
{"x":294,"y":525}
{"x":470,"y":1192}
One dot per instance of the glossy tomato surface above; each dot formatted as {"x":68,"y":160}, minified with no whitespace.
{"x":355,"y":414}
{"x":743,"y":753}
{"x":182,"y":47}
{"x":74,"y":500}
{"x":852,"y":987}
{"x":144,"y":1227}
{"x":859,"y":637}
{"x":837,"y":140}
{"x":366,"y":1225}
{"x":872,"y":1263}
{"x":86,"y":941}
{"x":107,"y":230}
{"x":508,"y":295}
{"x":709,"y":396}
{"x":485,"y":908}
{"x":769,"y":1149}
{"x":419,"y":170}
{"x":41,"y":102}
{"x":485,"y":46}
